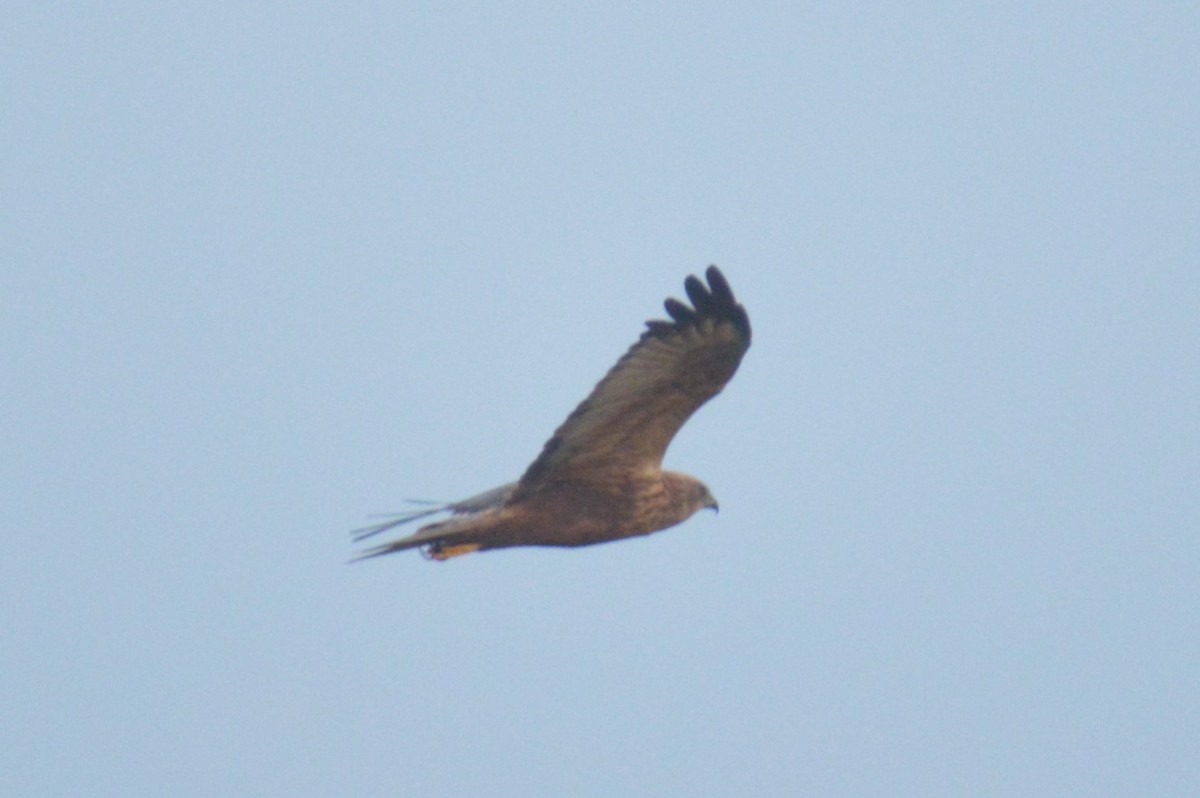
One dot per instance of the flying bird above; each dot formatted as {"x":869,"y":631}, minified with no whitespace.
{"x":599,"y":477}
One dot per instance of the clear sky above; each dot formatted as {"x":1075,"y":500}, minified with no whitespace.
{"x":271,"y":267}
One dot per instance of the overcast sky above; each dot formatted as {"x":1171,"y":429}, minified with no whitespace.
{"x":271,"y":267}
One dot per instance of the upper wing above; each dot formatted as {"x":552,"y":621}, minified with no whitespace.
{"x":633,"y":413}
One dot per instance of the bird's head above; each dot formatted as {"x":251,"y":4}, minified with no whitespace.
{"x":687,"y":495}
{"x":704,"y":500}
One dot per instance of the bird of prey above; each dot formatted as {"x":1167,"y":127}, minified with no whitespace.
{"x":599,"y":477}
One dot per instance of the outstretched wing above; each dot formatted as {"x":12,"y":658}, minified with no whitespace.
{"x":633,"y":413}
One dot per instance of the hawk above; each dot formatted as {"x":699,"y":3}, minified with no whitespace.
{"x":599,"y":477}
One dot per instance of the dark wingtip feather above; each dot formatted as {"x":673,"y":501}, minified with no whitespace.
{"x":698,"y":293}
{"x":714,"y":301}
{"x":720,"y":286}
{"x":679,"y":311}
{"x":659,"y":328}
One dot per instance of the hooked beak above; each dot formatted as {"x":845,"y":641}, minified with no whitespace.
{"x":714,"y":506}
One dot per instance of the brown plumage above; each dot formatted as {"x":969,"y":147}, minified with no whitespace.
{"x":599,"y":477}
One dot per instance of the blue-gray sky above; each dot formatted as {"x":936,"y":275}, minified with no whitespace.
{"x":274,"y":266}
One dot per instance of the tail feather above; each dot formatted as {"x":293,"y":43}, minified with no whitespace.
{"x":398,"y":519}
{"x":476,"y":504}
{"x":439,"y":541}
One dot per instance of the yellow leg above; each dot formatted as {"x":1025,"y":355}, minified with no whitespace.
{"x":446,"y":552}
